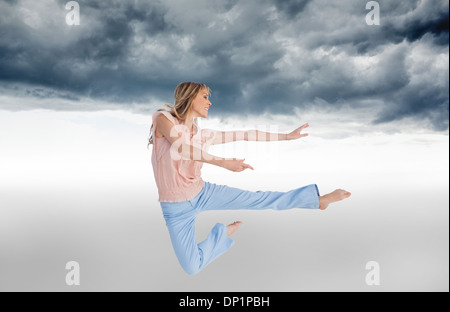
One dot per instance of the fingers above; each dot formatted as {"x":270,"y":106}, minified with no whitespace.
{"x":245,"y":166}
{"x":301,"y":129}
{"x":248,"y":166}
{"x":306,"y":125}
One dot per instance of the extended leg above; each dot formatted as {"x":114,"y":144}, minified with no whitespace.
{"x":223,"y":197}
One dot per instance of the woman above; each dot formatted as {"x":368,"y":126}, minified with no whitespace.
{"x":179,"y":151}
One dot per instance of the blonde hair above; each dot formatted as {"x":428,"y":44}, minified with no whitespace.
{"x":184,"y":94}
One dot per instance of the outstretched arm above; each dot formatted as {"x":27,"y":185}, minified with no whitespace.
{"x":181,"y":149}
{"x":256,"y":135}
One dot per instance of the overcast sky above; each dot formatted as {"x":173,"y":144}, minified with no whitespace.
{"x":257,"y":56}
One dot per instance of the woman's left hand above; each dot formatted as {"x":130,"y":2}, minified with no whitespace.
{"x":297,"y":133}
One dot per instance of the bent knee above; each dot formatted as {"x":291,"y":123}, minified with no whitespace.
{"x":191,"y":268}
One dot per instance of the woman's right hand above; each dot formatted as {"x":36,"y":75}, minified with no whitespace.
{"x":235,"y":165}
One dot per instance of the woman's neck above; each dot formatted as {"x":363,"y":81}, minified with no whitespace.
{"x":189,"y":123}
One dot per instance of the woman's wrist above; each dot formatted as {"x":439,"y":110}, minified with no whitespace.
{"x":217,"y":161}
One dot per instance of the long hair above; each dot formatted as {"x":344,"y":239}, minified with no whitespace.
{"x":184,"y":94}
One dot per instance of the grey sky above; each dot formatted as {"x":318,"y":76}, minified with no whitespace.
{"x":257,"y":56}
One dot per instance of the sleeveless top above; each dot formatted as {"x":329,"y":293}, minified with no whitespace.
{"x":178,"y":178}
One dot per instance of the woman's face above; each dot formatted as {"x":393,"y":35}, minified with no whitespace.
{"x":201,"y":104}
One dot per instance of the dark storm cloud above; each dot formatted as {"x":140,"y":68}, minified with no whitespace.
{"x":415,"y":27}
{"x":291,"y":7}
{"x":429,"y":103}
{"x":257,"y":56}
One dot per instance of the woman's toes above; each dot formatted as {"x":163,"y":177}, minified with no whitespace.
{"x":231,"y":228}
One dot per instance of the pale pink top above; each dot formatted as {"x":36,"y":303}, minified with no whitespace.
{"x":178,"y":178}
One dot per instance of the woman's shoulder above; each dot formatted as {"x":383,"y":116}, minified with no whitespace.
{"x":157,"y":119}
{"x":168,"y":115}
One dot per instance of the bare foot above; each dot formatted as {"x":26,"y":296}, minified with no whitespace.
{"x":332,"y":197}
{"x":231,"y":228}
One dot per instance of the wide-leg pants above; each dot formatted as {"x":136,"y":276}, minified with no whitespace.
{"x":180,"y":218}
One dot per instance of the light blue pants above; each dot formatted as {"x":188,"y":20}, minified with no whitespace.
{"x":180,"y":218}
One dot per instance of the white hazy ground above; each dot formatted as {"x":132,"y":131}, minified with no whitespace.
{"x":78,"y":186}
